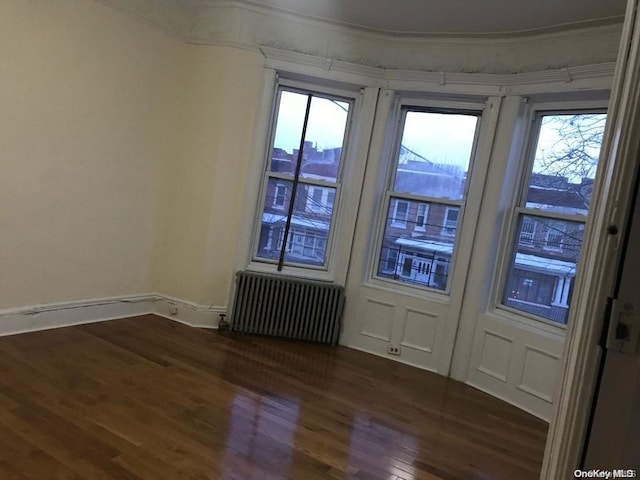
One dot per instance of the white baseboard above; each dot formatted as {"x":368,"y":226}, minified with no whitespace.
{"x":192,"y":314}
{"x":65,"y":314}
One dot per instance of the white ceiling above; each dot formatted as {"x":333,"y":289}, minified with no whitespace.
{"x":458,"y":17}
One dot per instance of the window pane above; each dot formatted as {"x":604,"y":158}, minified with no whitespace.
{"x":435,"y":153}
{"x":317,"y":200}
{"x":565,"y":162}
{"x":414,"y":249}
{"x":421,"y":216}
{"x":274,"y":216}
{"x":450,"y":225}
{"x":324,"y":137}
{"x":311,"y":249}
{"x":543,"y":269}
{"x":310,"y":222}
{"x":289,"y":123}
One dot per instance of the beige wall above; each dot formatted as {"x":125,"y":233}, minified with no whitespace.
{"x":86,"y":122}
{"x":206,"y":192}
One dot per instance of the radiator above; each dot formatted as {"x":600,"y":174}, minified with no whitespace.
{"x":287,"y":307}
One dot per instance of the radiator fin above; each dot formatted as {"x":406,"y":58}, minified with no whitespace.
{"x":287,"y":307}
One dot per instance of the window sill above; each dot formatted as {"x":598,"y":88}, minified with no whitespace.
{"x":310,"y":273}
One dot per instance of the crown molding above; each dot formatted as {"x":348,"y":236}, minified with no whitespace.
{"x":247,"y":25}
{"x":582,"y":77}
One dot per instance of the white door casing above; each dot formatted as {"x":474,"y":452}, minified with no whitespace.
{"x":614,"y":442}
{"x":612,"y":200}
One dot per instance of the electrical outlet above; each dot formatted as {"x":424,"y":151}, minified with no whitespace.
{"x":393,"y":350}
{"x":173,"y":311}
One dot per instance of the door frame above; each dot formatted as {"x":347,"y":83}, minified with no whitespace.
{"x":603,"y":242}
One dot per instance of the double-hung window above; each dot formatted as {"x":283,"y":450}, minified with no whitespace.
{"x":425,"y":199}
{"x":302,"y":178}
{"x":549,"y":218}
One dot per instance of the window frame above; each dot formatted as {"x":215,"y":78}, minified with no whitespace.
{"x":553,"y":230}
{"x":276,"y":196}
{"x":442,"y":105}
{"x":400,"y":223}
{"x":519,"y":209}
{"x":530,"y":242}
{"x":422,"y":227}
{"x":325,"y":194}
{"x":445,"y":221}
{"x":343,"y":92}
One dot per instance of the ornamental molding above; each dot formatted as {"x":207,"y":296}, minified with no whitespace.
{"x":243,"y":24}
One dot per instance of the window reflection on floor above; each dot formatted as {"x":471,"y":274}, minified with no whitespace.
{"x":380,"y":450}
{"x":260,"y":436}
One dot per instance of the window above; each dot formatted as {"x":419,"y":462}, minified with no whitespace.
{"x":302,"y":178}
{"x":426,"y":195}
{"x":450,"y":222}
{"x":549,"y":219}
{"x":401,"y":212}
{"x":279,"y":196}
{"x":421,"y":217}
{"x":527,"y":286}
{"x":527,"y":231}
{"x":306,"y":245}
{"x":320,"y":199}
{"x":555,"y":236}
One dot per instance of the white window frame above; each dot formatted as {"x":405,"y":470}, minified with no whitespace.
{"x":323,"y":205}
{"x":355,"y":145}
{"x":276,"y":204}
{"x":422,"y":227}
{"x":395,"y":221}
{"x":518,"y":209}
{"x":553,"y":229}
{"x":532,"y":234}
{"x":398,"y":118}
{"x":446,"y":223}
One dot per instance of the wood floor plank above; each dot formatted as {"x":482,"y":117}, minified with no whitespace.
{"x":147,"y":398}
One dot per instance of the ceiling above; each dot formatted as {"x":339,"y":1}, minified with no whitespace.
{"x":441,"y":17}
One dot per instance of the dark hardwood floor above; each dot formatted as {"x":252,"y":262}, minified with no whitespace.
{"x":147,"y":398}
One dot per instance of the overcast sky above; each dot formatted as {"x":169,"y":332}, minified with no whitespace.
{"x":439,"y":137}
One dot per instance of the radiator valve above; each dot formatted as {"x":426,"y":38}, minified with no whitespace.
{"x":223,"y":325}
